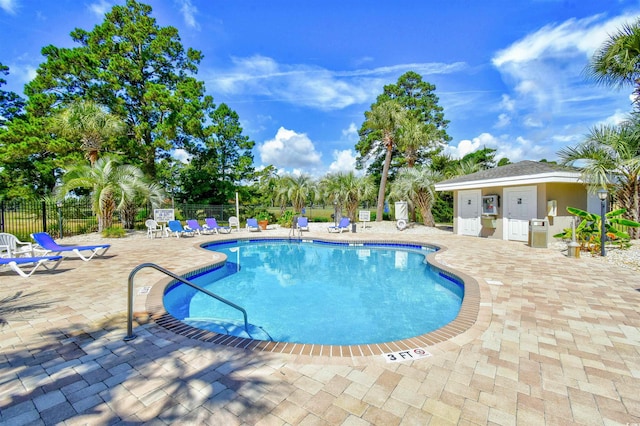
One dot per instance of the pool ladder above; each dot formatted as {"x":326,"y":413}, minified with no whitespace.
{"x":131,"y":336}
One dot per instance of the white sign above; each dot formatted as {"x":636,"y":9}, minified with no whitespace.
{"x":364,"y":216}
{"x":409,"y":355}
{"x":163,"y":215}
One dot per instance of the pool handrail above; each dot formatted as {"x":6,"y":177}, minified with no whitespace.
{"x":131,"y":336}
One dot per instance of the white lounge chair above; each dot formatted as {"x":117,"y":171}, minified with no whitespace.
{"x":343,"y":225}
{"x":252,"y":225}
{"x":46,"y":245}
{"x":176,"y":227}
{"x":11,"y":246}
{"x":13,"y":263}
{"x":211,"y":224}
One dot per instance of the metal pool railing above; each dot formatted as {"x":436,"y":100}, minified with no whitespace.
{"x":131,"y":336}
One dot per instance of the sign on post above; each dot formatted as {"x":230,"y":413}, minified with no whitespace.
{"x":364,"y":216}
{"x":163,"y":215}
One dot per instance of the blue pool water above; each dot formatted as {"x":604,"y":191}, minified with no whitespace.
{"x":320,"y":293}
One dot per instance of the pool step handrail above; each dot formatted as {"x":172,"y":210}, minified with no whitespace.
{"x":131,"y":336}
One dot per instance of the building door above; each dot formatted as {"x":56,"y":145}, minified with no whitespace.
{"x":469,"y":212}
{"x":520,"y":207}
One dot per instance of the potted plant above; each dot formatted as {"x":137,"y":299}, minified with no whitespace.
{"x":263,"y":219}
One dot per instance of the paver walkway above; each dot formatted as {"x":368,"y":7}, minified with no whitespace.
{"x":557,"y":342}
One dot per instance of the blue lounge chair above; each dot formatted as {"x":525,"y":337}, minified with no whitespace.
{"x":343,"y":225}
{"x":252,"y":224}
{"x":195,"y":226}
{"x":13,"y":263}
{"x":211,"y":224}
{"x":46,"y":245}
{"x":176,"y":227}
{"x":303,"y":223}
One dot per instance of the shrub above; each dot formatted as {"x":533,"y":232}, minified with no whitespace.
{"x":113,"y":232}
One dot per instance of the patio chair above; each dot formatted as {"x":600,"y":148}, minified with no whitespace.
{"x":153,"y":228}
{"x":13,"y":263}
{"x":46,"y":245}
{"x":343,"y":225}
{"x":195,"y":226}
{"x":252,"y":225}
{"x":211,"y":224}
{"x":176,"y":227}
{"x":233,"y":221}
{"x":11,"y":246}
{"x":303,"y":223}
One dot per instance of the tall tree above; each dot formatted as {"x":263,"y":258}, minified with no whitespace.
{"x":89,"y":123}
{"x":299,"y":190}
{"x":380,"y":132}
{"x":610,"y":157}
{"x":221,"y":159}
{"x":138,"y":70}
{"x":617,"y":62}
{"x":11,"y":104}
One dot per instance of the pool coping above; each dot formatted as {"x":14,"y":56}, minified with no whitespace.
{"x":466,"y":318}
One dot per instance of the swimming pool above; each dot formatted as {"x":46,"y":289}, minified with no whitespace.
{"x":321,"y":293}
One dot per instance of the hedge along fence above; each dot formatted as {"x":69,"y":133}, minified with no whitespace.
{"x":75,"y":216}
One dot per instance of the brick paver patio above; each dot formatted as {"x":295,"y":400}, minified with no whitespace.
{"x":556,"y":341}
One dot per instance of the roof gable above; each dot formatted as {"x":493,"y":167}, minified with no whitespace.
{"x":521,"y":173}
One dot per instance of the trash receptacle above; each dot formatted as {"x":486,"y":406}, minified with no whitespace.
{"x":538,"y":233}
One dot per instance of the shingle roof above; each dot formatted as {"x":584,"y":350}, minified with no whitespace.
{"x":522,"y":168}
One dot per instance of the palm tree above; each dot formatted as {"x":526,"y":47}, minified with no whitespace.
{"x":330,"y":189}
{"x":89,"y":122}
{"x":617,"y":62}
{"x":414,"y":137}
{"x":611,"y":157}
{"x":417,"y":185}
{"x":299,"y":190}
{"x":111,"y":185}
{"x":385,"y":118}
{"x":151,"y":192}
{"x":354,"y":189}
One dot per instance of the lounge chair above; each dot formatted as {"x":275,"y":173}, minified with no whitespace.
{"x":233,"y":221}
{"x":153,"y":228}
{"x":176,"y":227}
{"x":303,"y":223}
{"x":343,"y":225}
{"x":13,"y":263}
{"x":195,"y":226}
{"x":11,"y":246}
{"x":46,"y":245}
{"x":252,"y":224}
{"x":211,"y":224}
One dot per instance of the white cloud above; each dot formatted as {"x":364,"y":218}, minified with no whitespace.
{"x":310,"y":85}
{"x":503,"y":121}
{"x":351,"y":133}
{"x":343,"y":161}
{"x":182,"y":155}
{"x":100,"y":8}
{"x":188,"y":11}
{"x":515,"y":149}
{"x":9,"y":6}
{"x":289,"y":149}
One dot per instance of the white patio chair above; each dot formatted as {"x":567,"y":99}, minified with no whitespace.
{"x":11,"y":246}
{"x":153,"y":228}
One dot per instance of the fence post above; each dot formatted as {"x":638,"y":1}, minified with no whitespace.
{"x":44,"y":216}
{"x":2,"y":206}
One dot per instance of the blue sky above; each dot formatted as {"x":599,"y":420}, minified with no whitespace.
{"x":301,"y":74}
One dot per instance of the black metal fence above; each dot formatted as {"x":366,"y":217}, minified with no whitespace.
{"x":73,"y":217}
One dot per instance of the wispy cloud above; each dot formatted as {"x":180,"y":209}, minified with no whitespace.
{"x":9,"y":6}
{"x":100,"y":8}
{"x":312,"y":86}
{"x":189,"y":12}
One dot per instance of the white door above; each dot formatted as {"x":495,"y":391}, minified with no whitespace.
{"x":469,"y":212}
{"x":520,"y":207}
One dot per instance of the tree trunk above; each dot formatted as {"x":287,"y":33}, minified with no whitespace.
{"x":383,"y":183}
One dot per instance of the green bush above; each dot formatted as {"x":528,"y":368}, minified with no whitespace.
{"x":113,"y":232}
